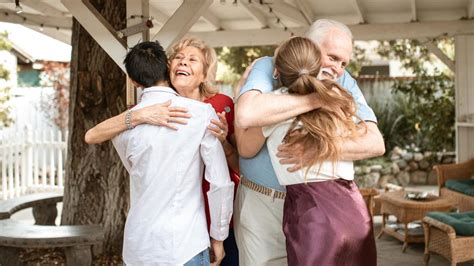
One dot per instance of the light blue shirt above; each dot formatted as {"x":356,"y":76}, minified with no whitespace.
{"x":259,"y":168}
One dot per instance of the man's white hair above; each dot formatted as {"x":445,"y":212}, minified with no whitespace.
{"x":317,"y":32}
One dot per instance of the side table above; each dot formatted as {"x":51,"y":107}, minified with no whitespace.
{"x":406,"y":211}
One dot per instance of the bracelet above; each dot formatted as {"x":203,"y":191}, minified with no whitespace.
{"x":128,"y":119}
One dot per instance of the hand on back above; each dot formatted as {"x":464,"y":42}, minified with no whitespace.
{"x":163,"y":114}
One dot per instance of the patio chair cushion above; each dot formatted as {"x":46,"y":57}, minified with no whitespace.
{"x":463,"y":186}
{"x":463,"y":223}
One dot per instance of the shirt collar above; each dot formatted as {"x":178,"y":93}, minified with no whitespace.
{"x":160,"y":89}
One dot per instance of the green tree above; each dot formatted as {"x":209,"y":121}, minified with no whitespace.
{"x":239,"y":58}
{"x":5,"y":119}
{"x":428,"y":119}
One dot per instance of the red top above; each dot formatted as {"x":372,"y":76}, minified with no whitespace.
{"x":222,"y":102}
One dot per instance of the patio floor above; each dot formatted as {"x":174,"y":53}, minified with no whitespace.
{"x":389,"y":252}
{"x":389,"y":249}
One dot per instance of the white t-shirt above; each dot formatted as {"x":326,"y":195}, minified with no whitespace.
{"x":317,"y":173}
{"x":166,"y":223}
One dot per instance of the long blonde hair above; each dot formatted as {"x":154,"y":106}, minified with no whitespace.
{"x":210,"y":63}
{"x":298,"y":62}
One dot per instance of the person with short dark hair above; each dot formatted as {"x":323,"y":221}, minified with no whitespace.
{"x":166,"y":223}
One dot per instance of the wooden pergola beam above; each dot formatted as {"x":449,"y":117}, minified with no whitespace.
{"x":431,"y":46}
{"x":255,"y":13}
{"x":181,"y":21}
{"x":356,"y":5}
{"x":392,"y":31}
{"x":43,"y":7}
{"x":33,"y":19}
{"x":304,"y":7}
{"x":414,"y":16}
{"x":98,"y":28}
{"x":470,"y":9}
{"x":212,"y":20}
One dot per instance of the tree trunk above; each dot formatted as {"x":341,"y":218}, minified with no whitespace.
{"x":96,"y":187}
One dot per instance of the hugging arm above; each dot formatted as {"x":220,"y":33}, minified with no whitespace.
{"x":369,"y":144}
{"x":161,"y":114}
{"x":249,"y":141}
{"x":256,"y":107}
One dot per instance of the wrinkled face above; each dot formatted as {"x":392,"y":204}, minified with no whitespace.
{"x":336,"y":51}
{"x":187,"y":69}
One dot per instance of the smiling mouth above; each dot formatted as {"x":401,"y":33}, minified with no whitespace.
{"x":182,"y":73}
{"x":326,"y":74}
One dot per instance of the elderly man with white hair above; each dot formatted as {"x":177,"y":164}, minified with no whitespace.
{"x":259,"y":201}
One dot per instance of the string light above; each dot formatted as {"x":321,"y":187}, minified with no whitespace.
{"x":278,"y":19}
{"x":42,"y":27}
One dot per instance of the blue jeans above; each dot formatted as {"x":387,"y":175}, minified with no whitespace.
{"x":201,"y":259}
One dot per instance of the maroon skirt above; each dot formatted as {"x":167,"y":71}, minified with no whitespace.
{"x":327,"y":223}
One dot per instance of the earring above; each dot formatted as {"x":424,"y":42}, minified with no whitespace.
{"x":275,"y":76}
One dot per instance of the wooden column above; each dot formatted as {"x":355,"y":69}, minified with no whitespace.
{"x":464,"y":45}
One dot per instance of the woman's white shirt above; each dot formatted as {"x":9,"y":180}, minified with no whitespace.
{"x":320,"y":172}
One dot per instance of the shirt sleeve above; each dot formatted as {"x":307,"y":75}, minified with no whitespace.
{"x":260,"y":77}
{"x":121,"y":144}
{"x":221,"y":192}
{"x":364,"y":111}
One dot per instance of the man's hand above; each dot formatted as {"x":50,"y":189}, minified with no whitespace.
{"x":294,"y":154}
{"x":217,"y":252}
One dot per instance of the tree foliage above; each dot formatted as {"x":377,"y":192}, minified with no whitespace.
{"x":56,"y":75}
{"x":427,"y":116}
{"x":5,"y":119}
{"x":239,"y":58}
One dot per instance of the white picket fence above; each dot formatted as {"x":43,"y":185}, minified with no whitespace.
{"x":30,"y":161}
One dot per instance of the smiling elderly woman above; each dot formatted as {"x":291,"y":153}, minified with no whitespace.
{"x":192,"y":66}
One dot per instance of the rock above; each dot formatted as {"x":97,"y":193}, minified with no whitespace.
{"x":386,"y":171}
{"x":403,"y":178}
{"x":397,"y":151}
{"x":407,"y":156}
{"x":376,"y":168}
{"x":360,"y":181}
{"x":357,"y":170}
{"x":448,"y":159}
{"x":418,"y":156}
{"x":401,"y":163}
{"x":394,"y":181}
{"x":439,"y":156}
{"x":428,"y":154}
{"x":432,"y":178}
{"x":384,"y":180}
{"x":419,"y":177}
{"x":413,"y":166}
{"x":424,"y":164}
{"x":395,"y":157}
{"x":372,"y":179}
{"x":366,"y":169}
{"x":395,"y":168}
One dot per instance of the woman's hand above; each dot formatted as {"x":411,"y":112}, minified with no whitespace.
{"x":217,"y":252}
{"x":162,"y":114}
{"x":219,"y":128}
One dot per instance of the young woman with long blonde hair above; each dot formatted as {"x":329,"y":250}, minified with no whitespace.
{"x":325,"y":219}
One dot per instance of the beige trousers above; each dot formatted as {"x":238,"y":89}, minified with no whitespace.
{"x":258,"y":228}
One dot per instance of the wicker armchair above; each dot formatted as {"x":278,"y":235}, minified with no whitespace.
{"x":459,"y":171}
{"x":441,"y":239}
{"x":368,"y":194}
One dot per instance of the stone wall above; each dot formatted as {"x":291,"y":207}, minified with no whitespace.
{"x":404,"y":168}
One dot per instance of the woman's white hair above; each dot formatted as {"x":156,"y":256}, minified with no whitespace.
{"x":317,"y":32}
